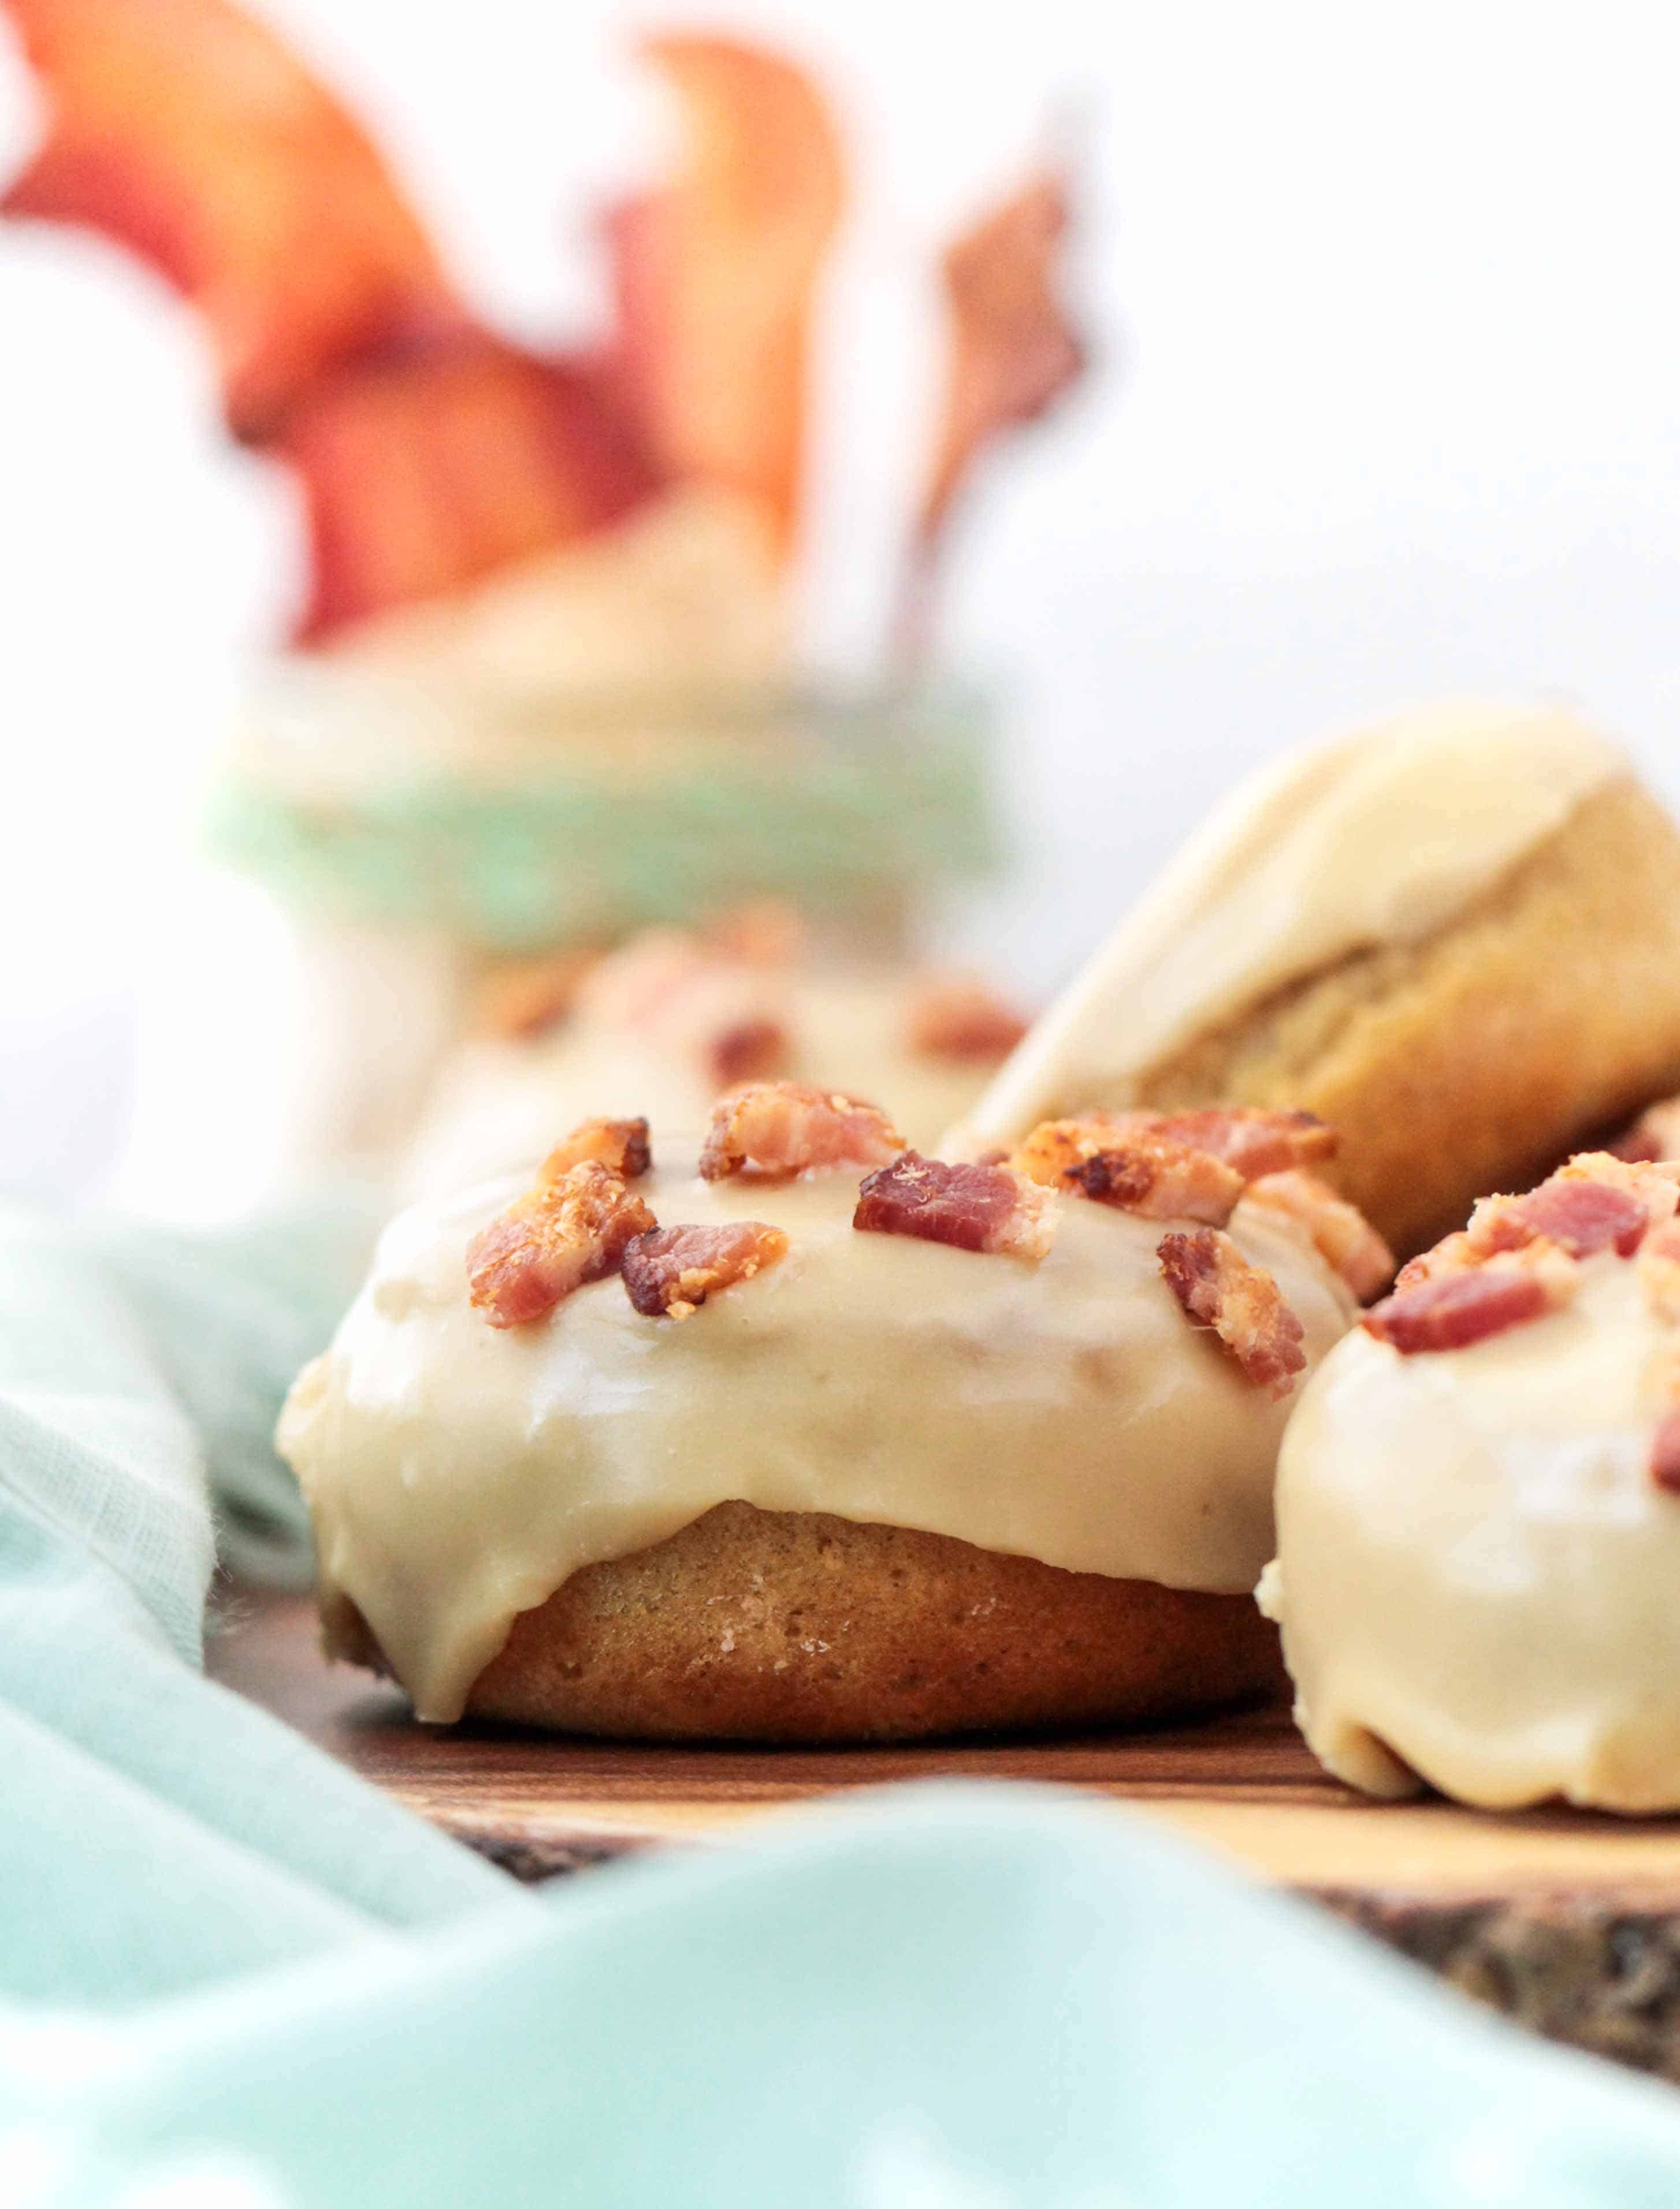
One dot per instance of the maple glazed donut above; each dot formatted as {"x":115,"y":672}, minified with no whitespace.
{"x":1479,"y":1510}
{"x":1455,"y":937}
{"x":825,"y":1440}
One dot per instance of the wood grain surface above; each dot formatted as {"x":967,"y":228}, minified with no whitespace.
{"x":1566,"y":1920}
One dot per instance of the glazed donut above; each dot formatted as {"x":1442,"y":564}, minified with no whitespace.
{"x":810,"y":1437}
{"x":1455,"y":937}
{"x":1479,"y":1510}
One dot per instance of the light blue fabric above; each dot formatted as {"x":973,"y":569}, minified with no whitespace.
{"x":231,"y":1974}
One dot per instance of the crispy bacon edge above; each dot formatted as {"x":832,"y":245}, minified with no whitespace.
{"x":1137,"y":1172}
{"x":669,"y":1272}
{"x":622,"y":1147}
{"x":1218,"y":1288}
{"x":958,"y":1017}
{"x":981,"y":1208}
{"x":1341,"y":1232}
{"x":787,"y":1127}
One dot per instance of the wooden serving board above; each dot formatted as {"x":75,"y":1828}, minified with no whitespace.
{"x":1565,"y":1919}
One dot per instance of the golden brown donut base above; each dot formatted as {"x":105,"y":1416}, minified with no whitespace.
{"x":784,"y":1626}
{"x":1544,"y":1014}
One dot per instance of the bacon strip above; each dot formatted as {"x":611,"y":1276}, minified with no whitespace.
{"x":620,"y":1146}
{"x":1218,"y":1288}
{"x":972,"y":1207}
{"x":1341,"y":1232}
{"x":551,"y":1241}
{"x":963,"y":1020}
{"x":789,"y":1128}
{"x":669,"y":1272}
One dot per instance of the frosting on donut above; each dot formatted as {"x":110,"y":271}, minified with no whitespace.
{"x":1379,"y":838}
{"x":1065,"y":1410}
{"x":1476,"y":1574}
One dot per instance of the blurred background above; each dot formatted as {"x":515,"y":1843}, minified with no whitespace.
{"x":1384,"y":404}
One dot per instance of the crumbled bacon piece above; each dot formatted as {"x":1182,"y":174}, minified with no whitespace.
{"x":759,"y":932}
{"x":1660,"y":1271}
{"x":552,"y":1241}
{"x":747,"y":1051}
{"x":1252,"y":1139}
{"x":633,"y":984}
{"x":1666,"y":1452}
{"x":1139,"y":1172}
{"x":1341,"y":1232}
{"x":620,"y":1146}
{"x":789,"y":1128}
{"x":1453,"y":1309}
{"x":670,"y":1273}
{"x":1595,"y":1202}
{"x":520,"y":997}
{"x":972,"y":1208}
{"x":1243,"y":1305}
{"x":963,"y":1020}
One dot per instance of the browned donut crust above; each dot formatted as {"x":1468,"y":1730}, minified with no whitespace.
{"x":1475,"y":1060}
{"x":789,"y":1626}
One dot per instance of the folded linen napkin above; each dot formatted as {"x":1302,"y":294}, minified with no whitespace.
{"x":231,"y":1973}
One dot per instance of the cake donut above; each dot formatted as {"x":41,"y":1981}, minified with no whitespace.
{"x":1455,"y":937}
{"x":674,"y":1017}
{"x":798,"y":1434}
{"x":1479,"y":1510}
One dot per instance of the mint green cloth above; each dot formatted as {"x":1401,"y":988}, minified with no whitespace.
{"x":233,"y":1977}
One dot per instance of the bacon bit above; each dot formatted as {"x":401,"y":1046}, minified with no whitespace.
{"x":972,"y":1207}
{"x":669,"y":1273}
{"x":1252,"y":1139}
{"x":1659,"y":1263}
{"x":1219,"y":1288}
{"x":751,"y":1051}
{"x":520,"y":997}
{"x":760,"y":932}
{"x":551,"y":1241}
{"x":1453,"y":1309}
{"x":1655,"y":1134}
{"x":633,"y":984}
{"x":1666,"y":1452}
{"x":620,"y":1146}
{"x":962,"y":1019}
{"x":716,"y":272}
{"x":789,"y":1128}
{"x":1341,"y":1232}
{"x":1142,"y":1172}
{"x":1584,"y":1216}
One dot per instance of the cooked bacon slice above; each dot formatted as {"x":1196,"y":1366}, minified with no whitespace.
{"x":1341,"y":1232}
{"x":972,"y":1208}
{"x":747,"y":1051}
{"x":1595,"y":1202}
{"x":789,"y":1128}
{"x":620,"y":1146}
{"x":670,"y":1273}
{"x":552,"y":1241}
{"x":1243,"y":1305}
{"x":1660,"y":1271}
{"x":1251,"y":1138}
{"x":963,"y":1020}
{"x":758,"y":932}
{"x":1142,"y":1172}
{"x":1452,"y":1311}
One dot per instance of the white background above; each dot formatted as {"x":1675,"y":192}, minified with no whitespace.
{"x":1388,"y":404}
